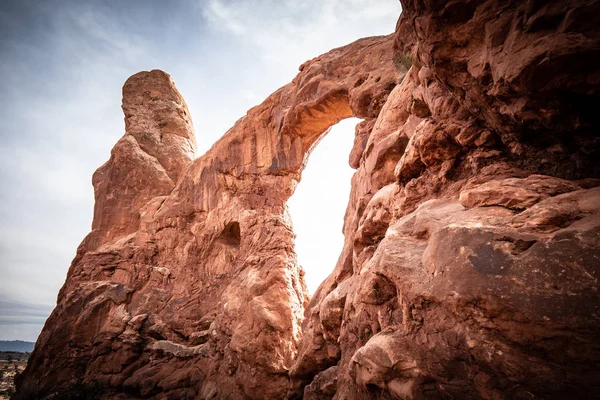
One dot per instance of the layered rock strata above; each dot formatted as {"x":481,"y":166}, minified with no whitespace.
{"x":472,"y":234}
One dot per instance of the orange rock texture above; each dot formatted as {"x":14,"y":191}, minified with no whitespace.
{"x":472,"y":234}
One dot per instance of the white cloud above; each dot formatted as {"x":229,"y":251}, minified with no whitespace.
{"x":218,"y":13}
{"x":289,"y":32}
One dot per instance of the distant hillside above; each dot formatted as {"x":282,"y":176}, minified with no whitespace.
{"x":16,"y":345}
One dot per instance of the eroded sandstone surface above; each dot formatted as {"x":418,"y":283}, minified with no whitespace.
{"x":472,"y":234}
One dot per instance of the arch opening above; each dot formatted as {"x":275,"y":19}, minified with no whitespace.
{"x":319,"y":203}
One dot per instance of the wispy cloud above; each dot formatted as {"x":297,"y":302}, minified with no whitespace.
{"x":22,"y":320}
{"x":289,"y":32}
{"x":23,"y":311}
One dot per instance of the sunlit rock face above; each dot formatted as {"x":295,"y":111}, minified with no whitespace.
{"x":147,"y":161}
{"x":472,"y":233}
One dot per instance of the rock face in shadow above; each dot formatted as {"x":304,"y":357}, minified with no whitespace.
{"x":471,"y":262}
{"x":472,"y":234}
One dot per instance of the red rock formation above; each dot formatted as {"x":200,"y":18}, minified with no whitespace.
{"x":471,"y":264}
{"x":472,"y":233}
{"x":193,"y":289}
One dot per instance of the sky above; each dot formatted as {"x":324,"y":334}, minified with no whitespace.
{"x":62,"y":66}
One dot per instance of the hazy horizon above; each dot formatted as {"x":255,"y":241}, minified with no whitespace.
{"x":64,"y":63}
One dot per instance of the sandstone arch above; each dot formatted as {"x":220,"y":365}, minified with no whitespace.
{"x":209,"y":270}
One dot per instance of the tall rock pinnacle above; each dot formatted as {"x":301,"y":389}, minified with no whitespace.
{"x":146,"y":162}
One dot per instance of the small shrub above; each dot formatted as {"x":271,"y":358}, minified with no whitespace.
{"x":402,"y":61}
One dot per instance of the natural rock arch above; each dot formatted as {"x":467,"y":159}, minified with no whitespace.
{"x":201,"y":269}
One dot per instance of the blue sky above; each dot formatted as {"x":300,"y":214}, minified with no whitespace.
{"x":62,"y":66}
